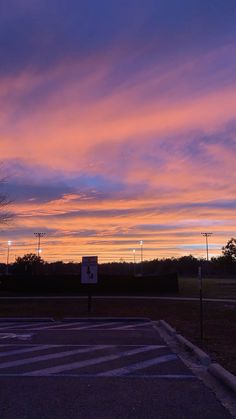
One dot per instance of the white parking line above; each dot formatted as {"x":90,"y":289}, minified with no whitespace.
{"x":95,"y":325}
{"x":135,"y":376}
{"x":89,"y":362}
{"x":137,"y":366}
{"x":133,"y":326}
{"x":40,"y":358}
{"x":61,"y":325}
{"x":25,"y":350}
{"x":19,"y":326}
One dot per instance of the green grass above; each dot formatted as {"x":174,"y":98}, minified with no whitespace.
{"x":211,"y":287}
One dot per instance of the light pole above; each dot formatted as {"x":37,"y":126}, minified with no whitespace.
{"x":39,"y":235}
{"x":134,"y":260}
{"x":141,"y":255}
{"x":9,"y":243}
{"x":206,"y":235}
{"x":141,"y":249}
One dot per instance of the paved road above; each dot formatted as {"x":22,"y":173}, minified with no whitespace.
{"x":116,"y":297}
{"x":106,"y":369}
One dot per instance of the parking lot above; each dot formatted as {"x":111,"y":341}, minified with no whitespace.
{"x":96,"y":368}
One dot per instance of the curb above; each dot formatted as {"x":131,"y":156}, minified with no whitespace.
{"x":167,"y":327}
{"x":223,"y":375}
{"x":190,"y":347}
{"x":26,"y":319}
{"x":199,"y":353}
{"x":97,"y":318}
{"x":215,"y":369}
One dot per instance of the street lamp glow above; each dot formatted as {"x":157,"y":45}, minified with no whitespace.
{"x":9,"y":243}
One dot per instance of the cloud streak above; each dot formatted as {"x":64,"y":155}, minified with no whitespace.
{"x":118,"y":121}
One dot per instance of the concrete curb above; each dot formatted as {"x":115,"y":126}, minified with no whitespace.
{"x":215,"y":369}
{"x":118,"y":319}
{"x":170,"y":330}
{"x":199,"y":353}
{"x":223,"y":375}
{"x":26,"y":319}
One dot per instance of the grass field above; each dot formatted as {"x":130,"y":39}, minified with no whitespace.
{"x":211,"y":287}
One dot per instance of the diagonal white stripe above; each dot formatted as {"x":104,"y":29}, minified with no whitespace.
{"x":61,"y":325}
{"x":137,"y":366}
{"x":25,"y":350}
{"x":132,"y":326}
{"x":95,"y":325}
{"x":20,"y":326}
{"x":89,"y":362}
{"x":49,"y":356}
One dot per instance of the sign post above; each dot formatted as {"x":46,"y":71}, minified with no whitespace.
{"x":200,"y":301}
{"x":89,"y":275}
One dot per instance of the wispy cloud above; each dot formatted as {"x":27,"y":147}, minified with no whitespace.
{"x":119,"y":122}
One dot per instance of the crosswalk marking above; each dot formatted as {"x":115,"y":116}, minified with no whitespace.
{"x":89,"y":362}
{"x":137,"y":366}
{"x":49,"y":356}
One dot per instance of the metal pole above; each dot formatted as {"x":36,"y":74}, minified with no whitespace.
{"x":206,"y":235}
{"x":8,"y":250}
{"x":134,"y":262}
{"x":89,"y":299}
{"x":200,"y":302}
{"x":141,"y":255}
{"x":38,"y":243}
{"x":207,"y":247}
{"x":7,"y":268}
{"x":39,"y":235}
{"x":8,"y":255}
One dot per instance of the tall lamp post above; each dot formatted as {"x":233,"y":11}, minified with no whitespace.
{"x":141,"y":255}
{"x":141,"y":250}
{"x":134,"y":261}
{"x":39,"y":235}
{"x":9,"y":243}
{"x":206,"y":235}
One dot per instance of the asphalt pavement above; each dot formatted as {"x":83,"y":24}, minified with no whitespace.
{"x":103,"y":369}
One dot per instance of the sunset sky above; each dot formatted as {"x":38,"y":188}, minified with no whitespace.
{"x":118,"y":124}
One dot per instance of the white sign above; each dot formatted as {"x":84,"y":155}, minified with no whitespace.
{"x":89,"y":270}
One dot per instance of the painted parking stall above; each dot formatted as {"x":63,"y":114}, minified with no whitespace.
{"x":85,"y":360}
{"x":103,"y":368}
{"x":76,"y":325}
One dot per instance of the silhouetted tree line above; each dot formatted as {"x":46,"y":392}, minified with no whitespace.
{"x":224,"y":265}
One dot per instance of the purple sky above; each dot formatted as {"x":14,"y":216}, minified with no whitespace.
{"x":118,"y":124}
